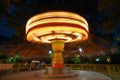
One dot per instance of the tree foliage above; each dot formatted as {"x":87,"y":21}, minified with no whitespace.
{"x":110,"y":8}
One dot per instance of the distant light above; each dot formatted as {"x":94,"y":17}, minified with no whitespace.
{"x":50,"y":52}
{"x":97,"y":59}
{"x":108,"y":59}
{"x":80,"y":49}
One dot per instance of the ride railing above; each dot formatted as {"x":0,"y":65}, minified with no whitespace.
{"x":112,"y":70}
{"x":6,"y":67}
{"x":103,"y":68}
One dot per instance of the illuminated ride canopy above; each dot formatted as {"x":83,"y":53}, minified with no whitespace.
{"x":57,"y":28}
{"x":67,"y":26}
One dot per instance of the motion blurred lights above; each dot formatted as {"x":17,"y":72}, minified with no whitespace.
{"x":59,"y":25}
{"x":97,"y":59}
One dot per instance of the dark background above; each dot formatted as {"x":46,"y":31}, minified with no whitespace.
{"x":102,"y":16}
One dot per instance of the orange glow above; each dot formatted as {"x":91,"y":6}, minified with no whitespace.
{"x":57,"y":28}
{"x":67,"y":26}
{"x":57,"y":46}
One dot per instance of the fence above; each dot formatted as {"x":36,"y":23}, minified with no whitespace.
{"x":112,"y":70}
{"x":6,"y":67}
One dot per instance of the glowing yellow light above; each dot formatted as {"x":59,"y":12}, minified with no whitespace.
{"x":67,"y":26}
{"x":58,"y":46}
{"x":57,"y":28}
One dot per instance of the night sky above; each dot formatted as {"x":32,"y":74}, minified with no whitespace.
{"x":102,"y":16}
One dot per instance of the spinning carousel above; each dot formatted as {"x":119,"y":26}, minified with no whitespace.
{"x":57,"y":28}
